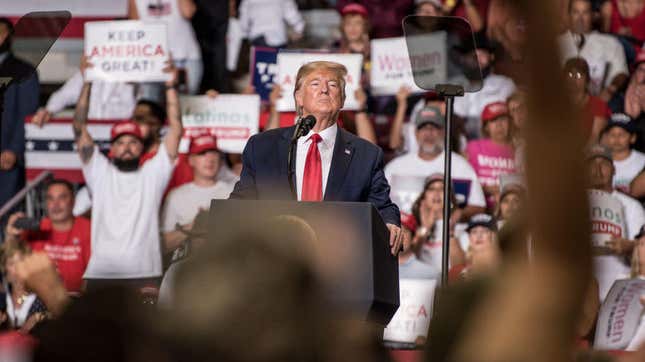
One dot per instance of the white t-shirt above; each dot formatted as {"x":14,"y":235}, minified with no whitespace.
{"x":125,"y":217}
{"x":108,"y":100}
{"x":268,"y":17}
{"x":496,"y":88}
{"x":603,"y":53}
{"x":628,"y":169}
{"x":406,"y":175}
{"x":609,"y":268}
{"x":181,"y":37}
{"x":184,"y":202}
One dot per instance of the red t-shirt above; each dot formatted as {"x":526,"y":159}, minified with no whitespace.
{"x":635,"y":24}
{"x":595,"y":107}
{"x":70,"y":250}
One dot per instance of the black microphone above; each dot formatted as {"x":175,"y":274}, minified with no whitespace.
{"x":304,"y":126}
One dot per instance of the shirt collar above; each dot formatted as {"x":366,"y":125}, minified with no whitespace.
{"x":3,"y":57}
{"x":328,"y":135}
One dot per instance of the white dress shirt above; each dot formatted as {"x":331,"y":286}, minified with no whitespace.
{"x":326,"y":149}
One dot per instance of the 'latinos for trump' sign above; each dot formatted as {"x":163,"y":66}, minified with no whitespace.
{"x":620,"y":315}
{"x":411,"y":321}
{"x":607,"y":218}
{"x":289,"y":63}
{"x":391,"y":68}
{"x":126,"y":51}
{"x":233,"y":118}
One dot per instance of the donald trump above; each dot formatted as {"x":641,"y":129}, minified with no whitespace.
{"x":331,"y":164}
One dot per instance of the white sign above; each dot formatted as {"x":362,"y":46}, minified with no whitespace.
{"x":411,"y":321}
{"x":233,"y":118}
{"x":607,"y":217}
{"x":126,"y":51}
{"x":289,"y":64}
{"x":620,"y":315}
{"x":405,"y":189}
{"x":390,"y":67}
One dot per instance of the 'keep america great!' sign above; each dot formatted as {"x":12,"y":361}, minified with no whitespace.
{"x":126,"y":51}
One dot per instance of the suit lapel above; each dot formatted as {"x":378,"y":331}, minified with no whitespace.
{"x":342,"y":156}
{"x":283,"y":154}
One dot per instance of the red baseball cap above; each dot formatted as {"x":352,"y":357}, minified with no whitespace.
{"x":202,"y":144}
{"x":494,"y":110}
{"x":408,"y":221}
{"x":354,"y":9}
{"x":123,"y":128}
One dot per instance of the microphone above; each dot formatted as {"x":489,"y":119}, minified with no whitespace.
{"x":304,"y":126}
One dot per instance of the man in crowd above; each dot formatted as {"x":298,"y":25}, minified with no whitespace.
{"x":495,"y":87}
{"x":184,"y":202}
{"x":330,"y":164}
{"x":20,"y":100}
{"x":612,"y":266}
{"x":603,"y":53}
{"x":65,"y":238}
{"x":429,"y":160}
{"x":126,"y":196}
{"x":619,"y":136}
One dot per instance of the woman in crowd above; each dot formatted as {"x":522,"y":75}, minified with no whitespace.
{"x":23,"y":309}
{"x":428,"y":214}
{"x":624,"y":17}
{"x":595,"y":111}
{"x":510,"y":201}
{"x":483,"y":254}
{"x":516,"y":104}
{"x":492,"y":155}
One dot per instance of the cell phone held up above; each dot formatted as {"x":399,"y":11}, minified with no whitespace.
{"x":27,"y":223}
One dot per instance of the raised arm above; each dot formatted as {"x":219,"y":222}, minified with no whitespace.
{"x":173,"y":110}
{"x":396,"y":132}
{"x":84,"y":142}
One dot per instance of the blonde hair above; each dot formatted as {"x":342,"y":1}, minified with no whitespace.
{"x":338,"y":69}
{"x":8,"y":250}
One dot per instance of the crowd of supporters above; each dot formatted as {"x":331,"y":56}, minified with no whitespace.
{"x":141,"y":210}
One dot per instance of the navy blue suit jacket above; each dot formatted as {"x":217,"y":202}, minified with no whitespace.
{"x":356,"y":172}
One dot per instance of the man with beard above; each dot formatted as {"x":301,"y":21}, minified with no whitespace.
{"x":126,"y":196}
{"x":402,"y":171}
{"x":603,"y":53}
{"x":495,"y":87}
{"x":20,"y":99}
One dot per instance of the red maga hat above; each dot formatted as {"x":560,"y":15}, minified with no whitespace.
{"x":123,"y":128}
{"x":494,"y":110}
{"x":354,"y":9}
{"x":202,"y":144}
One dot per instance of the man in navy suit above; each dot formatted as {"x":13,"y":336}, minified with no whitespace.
{"x":331,"y":164}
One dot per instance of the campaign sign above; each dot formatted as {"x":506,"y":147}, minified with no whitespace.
{"x":411,"y":321}
{"x":607,"y":218}
{"x":263,"y":70}
{"x":391,"y":68}
{"x":405,"y":189}
{"x":620,"y":315}
{"x":126,"y":51}
{"x":232,"y":118}
{"x":289,"y":63}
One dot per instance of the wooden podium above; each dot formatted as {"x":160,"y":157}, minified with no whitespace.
{"x":359,"y":274}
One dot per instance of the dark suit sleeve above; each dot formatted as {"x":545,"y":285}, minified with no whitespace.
{"x":245,"y":188}
{"x":379,"y":194}
{"x":21,"y":99}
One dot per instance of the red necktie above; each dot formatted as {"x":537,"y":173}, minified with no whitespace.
{"x":312,"y":178}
